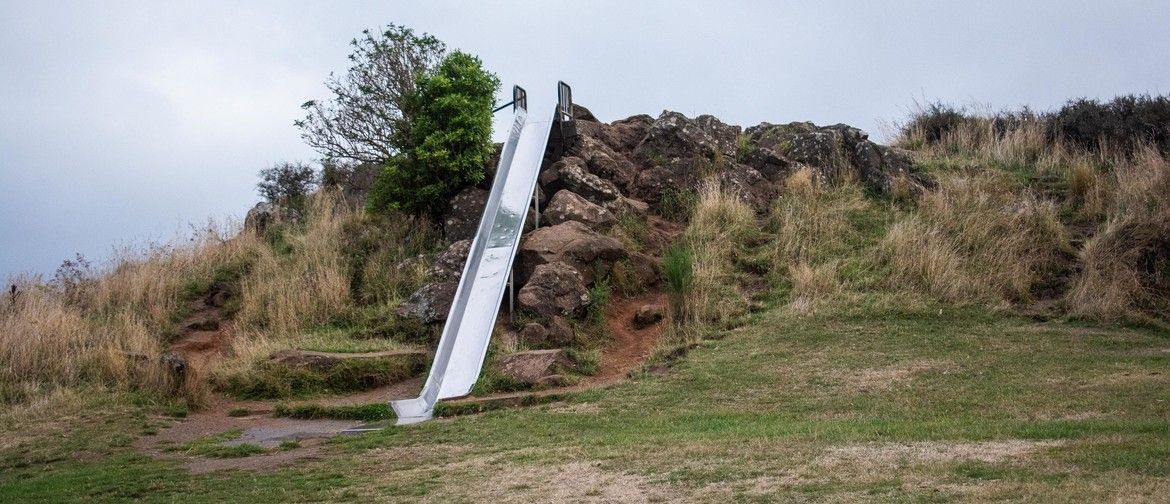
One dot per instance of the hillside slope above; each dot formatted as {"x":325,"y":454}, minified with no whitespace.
{"x":978,"y":313}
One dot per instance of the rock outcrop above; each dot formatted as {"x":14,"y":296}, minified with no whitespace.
{"x":641,"y":165}
{"x":834,"y":153}
{"x":430,"y":303}
{"x":572,"y":243}
{"x":265,"y":214}
{"x":554,"y":289}
{"x":568,"y":206}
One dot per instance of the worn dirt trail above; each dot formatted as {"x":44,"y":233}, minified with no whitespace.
{"x":629,"y":348}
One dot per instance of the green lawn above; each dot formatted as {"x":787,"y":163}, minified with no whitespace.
{"x":934,"y":406}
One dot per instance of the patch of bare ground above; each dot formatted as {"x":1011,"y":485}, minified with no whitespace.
{"x":1123,"y":378}
{"x":878,"y":379}
{"x":259,"y":427}
{"x":629,"y":348}
{"x":891,"y":455}
{"x":631,"y":345}
{"x":581,"y":481}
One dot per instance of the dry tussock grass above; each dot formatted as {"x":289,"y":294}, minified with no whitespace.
{"x":1123,"y":190}
{"x":977,"y":238}
{"x":90,"y":328}
{"x":1126,"y":266}
{"x":718,"y":228}
{"x":812,"y":234}
{"x":1025,"y":142}
{"x":286,"y":292}
{"x":813,"y":287}
{"x":720,"y":223}
{"x":108,"y":326}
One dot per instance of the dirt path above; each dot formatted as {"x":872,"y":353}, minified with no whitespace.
{"x":205,"y":334}
{"x":631,"y":346}
{"x":629,"y":349}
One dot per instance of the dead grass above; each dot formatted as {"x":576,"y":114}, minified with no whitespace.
{"x":1019,"y":140}
{"x":286,"y":293}
{"x":715,"y":236}
{"x":813,"y":287}
{"x":891,"y":455}
{"x":977,"y":239}
{"x":108,"y":329}
{"x":1126,"y":267}
{"x":108,"y":325}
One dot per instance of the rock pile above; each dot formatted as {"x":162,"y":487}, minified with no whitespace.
{"x":639,"y":166}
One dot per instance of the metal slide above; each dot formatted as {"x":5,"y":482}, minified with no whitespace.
{"x":459,"y":357}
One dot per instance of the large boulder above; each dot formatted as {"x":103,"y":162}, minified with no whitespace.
{"x":751,"y":187}
{"x":674,"y":135}
{"x":534,"y":367}
{"x":572,"y":173}
{"x":569,"y":206}
{"x":557,"y":332}
{"x":620,"y":136}
{"x":834,"y":153}
{"x":430,"y":303}
{"x":572,"y":243}
{"x":645,"y":269}
{"x":265,"y":214}
{"x":554,"y":289}
{"x":609,"y":165}
{"x":580,"y":113}
{"x":449,"y":264}
{"x":462,"y":218}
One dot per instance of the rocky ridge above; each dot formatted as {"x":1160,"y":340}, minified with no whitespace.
{"x":639,"y":168}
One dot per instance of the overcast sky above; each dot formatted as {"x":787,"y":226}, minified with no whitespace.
{"x":122,"y":122}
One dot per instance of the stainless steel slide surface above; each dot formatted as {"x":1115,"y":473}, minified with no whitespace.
{"x":463,"y":346}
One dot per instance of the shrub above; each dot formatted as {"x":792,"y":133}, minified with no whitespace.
{"x":287,"y":183}
{"x":450,"y":139}
{"x":936,"y":122}
{"x":371,"y":115}
{"x":1126,"y":123}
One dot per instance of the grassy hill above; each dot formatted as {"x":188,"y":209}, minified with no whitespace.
{"x":998,"y":334}
{"x":929,"y":405}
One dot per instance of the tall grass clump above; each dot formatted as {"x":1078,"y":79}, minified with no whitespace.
{"x":718,"y":228}
{"x":288,"y":292}
{"x":678,"y":275}
{"x":818,"y":231}
{"x":106,"y":326}
{"x":977,"y":239}
{"x":1126,"y":266}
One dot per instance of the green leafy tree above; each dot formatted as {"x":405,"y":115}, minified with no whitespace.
{"x":450,"y":137}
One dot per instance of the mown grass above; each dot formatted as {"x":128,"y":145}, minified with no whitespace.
{"x":769,"y":411}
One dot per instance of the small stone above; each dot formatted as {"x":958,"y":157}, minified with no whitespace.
{"x":648,"y":315}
